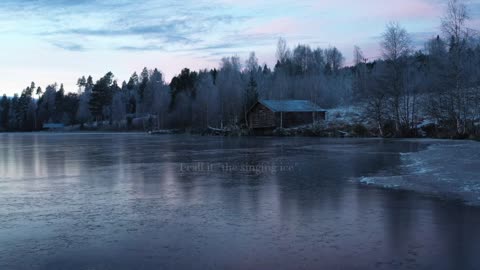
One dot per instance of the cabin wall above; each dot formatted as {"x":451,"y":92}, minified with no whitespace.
{"x":261,"y":117}
{"x":293,"y":119}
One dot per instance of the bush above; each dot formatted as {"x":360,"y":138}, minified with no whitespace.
{"x":389,"y":129}
{"x":281,"y":132}
{"x":430,"y":130}
{"x":360,"y":130}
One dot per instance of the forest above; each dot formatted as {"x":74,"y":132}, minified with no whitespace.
{"x":434,"y":87}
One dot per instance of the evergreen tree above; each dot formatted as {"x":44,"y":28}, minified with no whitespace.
{"x":39,"y":91}
{"x":81,"y":82}
{"x":89,"y":85}
{"x":143,"y":84}
{"x":70,"y":107}
{"x":4,"y":112}
{"x":101,"y":95}
{"x":13,"y":121}
{"x":184,"y":85}
{"x":23,"y":110}
{"x":132,"y":82}
{"x":59,"y":104}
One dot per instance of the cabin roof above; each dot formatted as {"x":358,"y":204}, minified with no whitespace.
{"x":291,"y":106}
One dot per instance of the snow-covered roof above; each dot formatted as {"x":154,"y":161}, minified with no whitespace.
{"x":291,"y":106}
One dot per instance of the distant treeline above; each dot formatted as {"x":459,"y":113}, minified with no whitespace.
{"x":440,"y":82}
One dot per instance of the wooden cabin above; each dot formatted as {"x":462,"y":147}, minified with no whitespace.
{"x":271,"y":114}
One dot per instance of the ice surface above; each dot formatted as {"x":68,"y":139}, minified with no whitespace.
{"x":446,"y":168}
{"x":125,"y":201}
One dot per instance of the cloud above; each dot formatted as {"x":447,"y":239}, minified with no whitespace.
{"x":124,"y":35}
{"x":392,"y":10}
{"x":169,"y":22}
{"x":140,"y":48}
{"x":69,"y":46}
{"x":212,"y":26}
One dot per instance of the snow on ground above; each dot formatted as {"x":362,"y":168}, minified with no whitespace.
{"x":347,"y":115}
{"x":449,"y":169}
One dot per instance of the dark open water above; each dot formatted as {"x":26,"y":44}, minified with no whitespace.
{"x":126,"y":201}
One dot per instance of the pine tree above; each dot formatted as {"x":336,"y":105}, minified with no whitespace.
{"x":132,"y":82}
{"x":4,"y":112}
{"x":23,"y":109}
{"x":101,"y":95}
{"x":13,"y":121}
{"x":59,"y":104}
{"x":144,"y":76}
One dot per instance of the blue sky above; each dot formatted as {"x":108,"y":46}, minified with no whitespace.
{"x":49,"y":41}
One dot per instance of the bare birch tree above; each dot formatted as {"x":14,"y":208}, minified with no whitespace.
{"x":396,"y":46}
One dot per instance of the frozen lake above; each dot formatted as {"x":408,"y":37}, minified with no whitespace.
{"x":132,"y":201}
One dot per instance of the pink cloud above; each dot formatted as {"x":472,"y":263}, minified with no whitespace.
{"x":397,"y":10}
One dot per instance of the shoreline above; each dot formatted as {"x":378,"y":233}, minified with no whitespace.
{"x":197,"y":134}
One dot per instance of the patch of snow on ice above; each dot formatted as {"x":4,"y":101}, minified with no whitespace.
{"x":450,"y":169}
{"x":367,"y":180}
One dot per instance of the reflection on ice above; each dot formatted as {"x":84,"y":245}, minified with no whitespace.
{"x":120,"y":201}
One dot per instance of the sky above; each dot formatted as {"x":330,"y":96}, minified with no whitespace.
{"x":48,"y":41}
